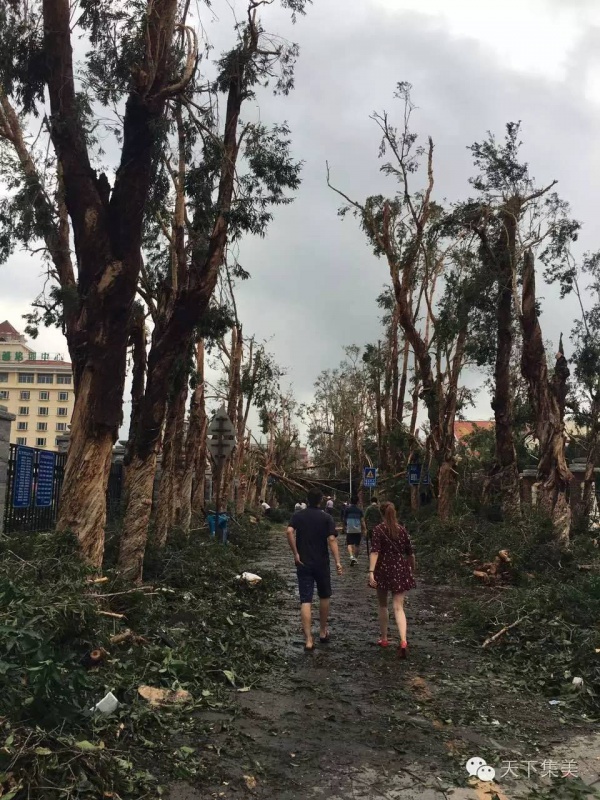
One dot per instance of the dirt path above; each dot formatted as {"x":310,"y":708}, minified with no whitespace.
{"x":351,"y":721}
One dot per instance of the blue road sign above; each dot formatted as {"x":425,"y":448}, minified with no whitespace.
{"x":45,"y":480}
{"x":414,"y":475}
{"x":369,"y":477}
{"x":23,"y":481}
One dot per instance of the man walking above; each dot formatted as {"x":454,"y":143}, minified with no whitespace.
{"x":373,"y":518}
{"x":355,"y":528}
{"x":310,"y":533}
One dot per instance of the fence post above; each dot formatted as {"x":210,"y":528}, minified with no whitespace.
{"x":6,"y":420}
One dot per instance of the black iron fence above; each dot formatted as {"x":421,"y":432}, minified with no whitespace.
{"x":34,"y":483}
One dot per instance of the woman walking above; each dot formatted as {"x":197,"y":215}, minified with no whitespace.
{"x":391,"y":569}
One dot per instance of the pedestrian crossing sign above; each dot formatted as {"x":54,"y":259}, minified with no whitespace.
{"x":370,"y":477}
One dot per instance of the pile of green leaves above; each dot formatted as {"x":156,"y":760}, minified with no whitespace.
{"x":203,"y":631}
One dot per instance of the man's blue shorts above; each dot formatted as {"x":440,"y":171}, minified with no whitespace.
{"x":308,"y":576}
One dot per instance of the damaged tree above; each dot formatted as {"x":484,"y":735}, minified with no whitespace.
{"x":223,"y":206}
{"x":106,"y":221}
{"x":408,"y":231}
{"x":547,"y":396}
{"x":509,"y":216}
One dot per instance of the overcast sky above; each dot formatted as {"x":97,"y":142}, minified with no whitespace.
{"x":474,"y":66}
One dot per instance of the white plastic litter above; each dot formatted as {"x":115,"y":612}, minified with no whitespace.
{"x":577,"y":682}
{"x":107,"y":705}
{"x":250,"y":578}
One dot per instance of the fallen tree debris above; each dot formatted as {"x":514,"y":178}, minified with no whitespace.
{"x":158,"y":697}
{"x":504,"y":630}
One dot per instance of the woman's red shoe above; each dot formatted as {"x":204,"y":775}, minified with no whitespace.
{"x":383,"y":643}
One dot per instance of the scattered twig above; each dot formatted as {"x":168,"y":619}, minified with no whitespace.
{"x":128,"y":591}
{"x":111,"y":614}
{"x":504,"y":630}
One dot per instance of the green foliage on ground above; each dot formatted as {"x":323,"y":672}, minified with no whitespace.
{"x":556,"y":604}
{"x":279,"y":515}
{"x":204,"y":633}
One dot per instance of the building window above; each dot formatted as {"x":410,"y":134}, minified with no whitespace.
{"x":44,"y":395}
{"x":23,"y":411}
{"x":24,"y":395}
{"x":21,"y":426}
{"x":40,"y":443}
{"x":64,"y":379}
{"x":63,"y":397}
{"x":43,"y":411}
{"x":61,"y":427}
{"x":45,"y":378}
{"x":21,"y":440}
{"x":3,"y":377}
{"x":42,"y":426}
{"x":4,"y":395}
{"x":25,"y":377}
{"x":63,"y":412}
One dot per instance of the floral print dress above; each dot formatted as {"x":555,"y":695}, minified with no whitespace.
{"x":392,"y":571}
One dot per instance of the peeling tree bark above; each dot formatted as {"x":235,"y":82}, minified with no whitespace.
{"x":168,"y":494}
{"x":107,"y":229}
{"x":190,"y":303}
{"x":503,"y":479}
{"x":195,"y":448}
{"x":547,"y":397}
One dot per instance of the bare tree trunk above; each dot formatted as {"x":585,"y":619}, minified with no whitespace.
{"x":139,"y":358}
{"x":190,"y":303}
{"x":195,"y":448}
{"x":548,"y":402}
{"x":503,"y":478}
{"x":233,"y":402}
{"x":168,"y":493}
{"x":107,"y":230}
{"x":394,"y":357}
{"x":268,"y":463}
{"x":403,"y":382}
{"x":91,"y":459}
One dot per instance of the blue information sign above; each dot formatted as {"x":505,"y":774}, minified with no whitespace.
{"x":414,"y":475}
{"x":45,"y":479}
{"x":23,"y":480}
{"x":369,"y":477}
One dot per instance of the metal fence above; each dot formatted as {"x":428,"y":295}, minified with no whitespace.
{"x":33,"y":518}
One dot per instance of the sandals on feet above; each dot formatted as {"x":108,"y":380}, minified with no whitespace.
{"x":325,"y":639}
{"x":383,"y":643}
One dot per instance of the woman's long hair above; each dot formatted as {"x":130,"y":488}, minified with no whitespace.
{"x":391,"y":520}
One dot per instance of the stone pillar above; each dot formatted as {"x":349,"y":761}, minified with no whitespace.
{"x":6,"y":420}
{"x":62,"y":442}
{"x":528,"y":478}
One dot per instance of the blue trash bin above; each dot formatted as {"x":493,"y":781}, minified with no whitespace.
{"x":211,"y":519}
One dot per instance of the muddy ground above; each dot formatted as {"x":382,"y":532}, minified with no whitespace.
{"x":352,"y":721}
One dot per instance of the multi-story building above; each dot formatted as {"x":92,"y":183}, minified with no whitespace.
{"x":37,"y":388}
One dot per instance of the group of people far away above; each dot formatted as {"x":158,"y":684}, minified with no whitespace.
{"x":312,"y":536}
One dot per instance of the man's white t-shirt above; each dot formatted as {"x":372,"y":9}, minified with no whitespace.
{"x":330,"y":504}
{"x":265,"y":506}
